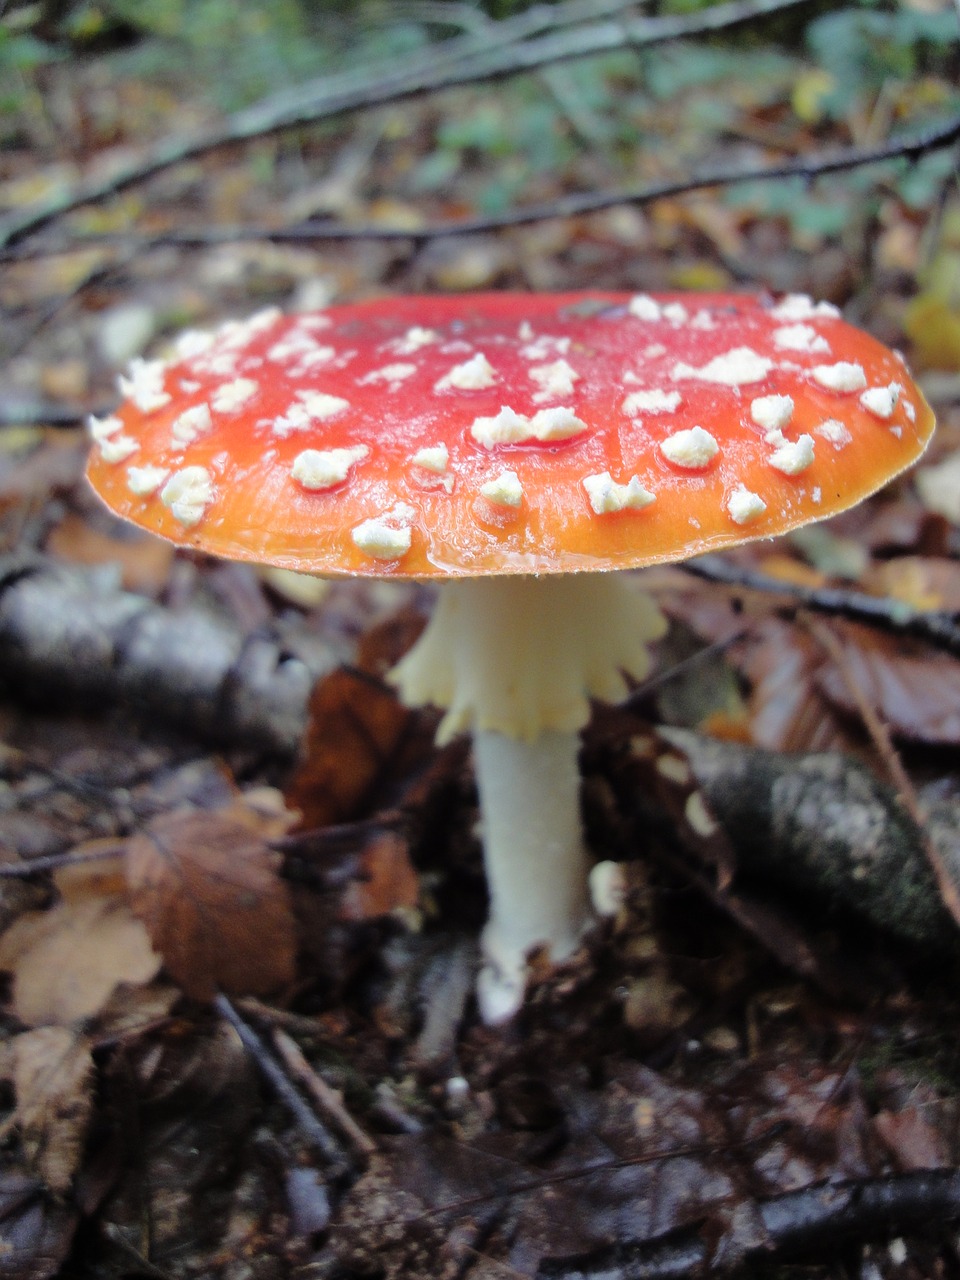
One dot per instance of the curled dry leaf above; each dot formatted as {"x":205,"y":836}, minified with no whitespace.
{"x":206,"y":886}
{"x":356,"y":727}
{"x":68,"y":961}
{"x":144,"y":562}
{"x":52,"y":1071}
{"x":915,"y":692}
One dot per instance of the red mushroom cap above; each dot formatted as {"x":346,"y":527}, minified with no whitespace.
{"x":432,"y":437}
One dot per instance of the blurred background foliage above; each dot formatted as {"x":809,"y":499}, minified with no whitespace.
{"x":79,"y":77}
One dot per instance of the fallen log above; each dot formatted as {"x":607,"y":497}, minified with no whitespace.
{"x":73,"y":635}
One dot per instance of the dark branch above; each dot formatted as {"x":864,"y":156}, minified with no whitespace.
{"x":809,"y":1224}
{"x":808,"y":168}
{"x":315,"y":1132}
{"x":936,"y":627}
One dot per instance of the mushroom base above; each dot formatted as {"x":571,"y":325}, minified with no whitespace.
{"x":534,"y":857}
{"x":515,"y":661}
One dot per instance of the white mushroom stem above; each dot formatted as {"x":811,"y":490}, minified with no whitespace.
{"x":515,"y":661}
{"x":534,"y":857}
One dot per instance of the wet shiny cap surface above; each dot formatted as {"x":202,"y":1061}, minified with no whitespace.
{"x":434,"y":437}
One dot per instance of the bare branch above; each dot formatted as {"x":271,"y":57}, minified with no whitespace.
{"x":307,"y":1122}
{"x":809,"y":1223}
{"x":451,"y":64}
{"x":938,"y":628}
{"x":72,"y":634}
{"x":808,"y":168}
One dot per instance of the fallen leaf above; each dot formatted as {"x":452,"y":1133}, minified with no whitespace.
{"x":933,"y":327}
{"x":916,"y":693}
{"x":206,"y":886}
{"x":144,"y":560}
{"x":52,"y":1072}
{"x":356,"y":726}
{"x":387,"y":881}
{"x":786,"y":709}
{"x":67,"y":961}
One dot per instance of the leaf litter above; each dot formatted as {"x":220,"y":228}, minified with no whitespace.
{"x":716,"y":1053}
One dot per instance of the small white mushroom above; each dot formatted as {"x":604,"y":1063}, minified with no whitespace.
{"x":608,"y":887}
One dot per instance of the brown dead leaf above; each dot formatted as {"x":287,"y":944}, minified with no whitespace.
{"x":52,"y":1071}
{"x":206,"y":886}
{"x":787,"y":710}
{"x":144,"y":560}
{"x":387,"y":881}
{"x":67,"y":961}
{"x":915,"y":693}
{"x":356,"y":725}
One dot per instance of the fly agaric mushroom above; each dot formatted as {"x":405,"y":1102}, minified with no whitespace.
{"x":514,"y":449}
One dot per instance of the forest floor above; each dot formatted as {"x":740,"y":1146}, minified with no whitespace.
{"x":238,"y":1036}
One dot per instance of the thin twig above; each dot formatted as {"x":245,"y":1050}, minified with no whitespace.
{"x":328,"y":1100}
{"x":315,"y":1131}
{"x":55,"y":862}
{"x":937,"y":627}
